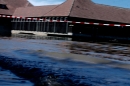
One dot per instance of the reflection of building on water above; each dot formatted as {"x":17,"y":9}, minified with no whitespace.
{"x":105,"y":23}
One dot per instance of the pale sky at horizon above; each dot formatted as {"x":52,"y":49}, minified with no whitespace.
{"x":118,"y":3}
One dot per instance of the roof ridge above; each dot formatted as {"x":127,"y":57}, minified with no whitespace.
{"x":63,"y":5}
{"x":26,"y":5}
{"x":54,"y":8}
{"x":51,"y":10}
{"x":71,"y":7}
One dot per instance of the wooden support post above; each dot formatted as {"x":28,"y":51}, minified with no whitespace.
{"x":44,"y":26}
{"x":23,"y":24}
{"x":36,"y":26}
{"x":54,"y":27}
{"x":15,"y":24}
{"x":29,"y":25}
{"x":66,"y":27}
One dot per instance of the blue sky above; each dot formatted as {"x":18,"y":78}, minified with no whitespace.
{"x":119,"y":3}
{"x":46,"y":2}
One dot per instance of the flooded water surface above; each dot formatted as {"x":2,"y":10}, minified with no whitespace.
{"x":9,"y":79}
{"x":62,"y":63}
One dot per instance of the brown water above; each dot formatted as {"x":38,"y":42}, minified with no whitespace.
{"x":105,"y":50}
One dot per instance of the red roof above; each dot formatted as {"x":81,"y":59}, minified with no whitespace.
{"x":37,"y":11}
{"x":49,"y":10}
{"x":78,"y":8}
{"x":2,"y":2}
{"x":90,"y":10}
{"x":12,"y":5}
{"x":63,"y":9}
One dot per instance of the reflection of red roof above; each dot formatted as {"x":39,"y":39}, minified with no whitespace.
{"x":78,"y":8}
{"x":12,"y":5}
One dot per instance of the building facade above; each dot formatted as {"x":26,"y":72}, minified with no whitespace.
{"x":7,"y":8}
{"x":79,"y":19}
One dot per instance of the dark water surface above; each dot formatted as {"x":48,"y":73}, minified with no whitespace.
{"x":9,"y":79}
{"x":57,"y":63}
